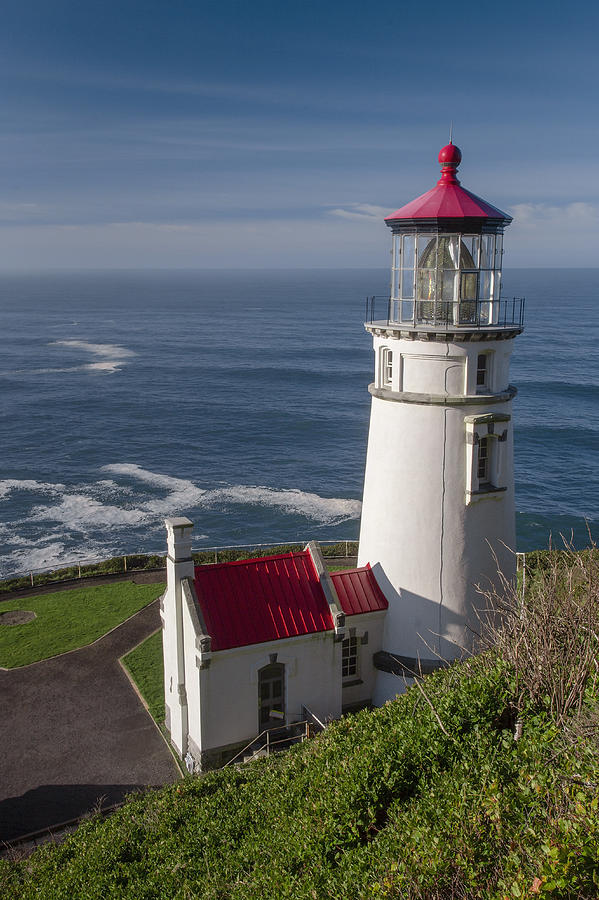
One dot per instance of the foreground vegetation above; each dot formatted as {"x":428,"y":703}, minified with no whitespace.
{"x":384,"y":803}
{"x":430,"y":797}
{"x":68,"y":620}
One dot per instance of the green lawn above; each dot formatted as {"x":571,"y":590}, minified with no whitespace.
{"x":144,"y":664}
{"x":67,"y":620}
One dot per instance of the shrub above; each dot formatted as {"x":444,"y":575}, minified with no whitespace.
{"x":548,"y":629}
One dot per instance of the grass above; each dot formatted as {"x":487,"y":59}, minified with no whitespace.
{"x":145,"y":665}
{"x":70,"y":619}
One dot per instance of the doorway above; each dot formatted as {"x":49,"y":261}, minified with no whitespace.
{"x":271,"y":696}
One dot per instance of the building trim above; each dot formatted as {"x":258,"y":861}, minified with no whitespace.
{"x":442,"y":399}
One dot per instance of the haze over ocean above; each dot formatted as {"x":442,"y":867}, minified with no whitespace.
{"x":239,"y":398}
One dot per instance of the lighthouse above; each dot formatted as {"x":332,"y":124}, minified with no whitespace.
{"x":438,"y":515}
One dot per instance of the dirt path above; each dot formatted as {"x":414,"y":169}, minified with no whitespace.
{"x":73,"y":731}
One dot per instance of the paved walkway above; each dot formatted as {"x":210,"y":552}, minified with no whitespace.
{"x":73,"y":733}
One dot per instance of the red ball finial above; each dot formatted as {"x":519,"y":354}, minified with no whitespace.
{"x":450,"y":157}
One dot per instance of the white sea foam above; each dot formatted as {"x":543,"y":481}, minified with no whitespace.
{"x":96,"y":511}
{"x":30,"y":560}
{"x":326,"y":510}
{"x":184,"y":494}
{"x":79,"y":511}
{"x":156,"y":479}
{"x":108,"y":351}
{"x":27,"y":484}
{"x":111,"y":356}
{"x":51,"y":555}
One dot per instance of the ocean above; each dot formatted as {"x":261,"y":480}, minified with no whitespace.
{"x":239,"y":398}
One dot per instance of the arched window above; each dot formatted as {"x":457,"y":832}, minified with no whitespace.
{"x":271,"y":696}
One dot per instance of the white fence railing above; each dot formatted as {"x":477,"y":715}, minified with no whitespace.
{"x":80,"y":564}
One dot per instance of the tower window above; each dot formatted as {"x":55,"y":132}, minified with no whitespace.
{"x":482,"y":371}
{"x":483,"y":460}
{"x":486,"y":461}
{"x":386,"y":367}
{"x":349,"y":657}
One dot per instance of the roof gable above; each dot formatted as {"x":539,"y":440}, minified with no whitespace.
{"x":358,"y":591}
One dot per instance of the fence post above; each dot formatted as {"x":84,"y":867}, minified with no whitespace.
{"x":268,"y":743}
{"x":79,"y":570}
{"x":346,"y":549}
{"x":216,"y":556}
{"x":125,"y":563}
{"x":31,"y":576}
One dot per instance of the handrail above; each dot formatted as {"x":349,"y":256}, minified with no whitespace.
{"x":247,"y":747}
{"x":268,"y":742}
{"x":307,"y":710}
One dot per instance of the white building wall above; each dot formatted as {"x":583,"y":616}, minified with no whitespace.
{"x":229,"y":686}
{"x":369,"y":629}
{"x":429,"y":547}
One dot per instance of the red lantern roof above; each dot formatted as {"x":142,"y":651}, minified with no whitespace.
{"x":448,"y":199}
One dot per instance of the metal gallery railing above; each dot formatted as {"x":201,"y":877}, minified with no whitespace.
{"x":503,"y":313}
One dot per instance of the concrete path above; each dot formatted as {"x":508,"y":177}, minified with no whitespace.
{"x":74,"y":733}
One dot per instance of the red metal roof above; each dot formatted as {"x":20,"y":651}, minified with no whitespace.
{"x":255,"y":600}
{"x":251,"y":601}
{"x":358,"y":591}
{"x":448,"y":199}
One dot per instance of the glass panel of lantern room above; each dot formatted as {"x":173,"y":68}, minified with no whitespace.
{"x":407,"y":284}
{"x":486,"y":294}
{"x":487,"y":251}
{"x":497,"y":285}
{"x":407,"y":311}
{"x":486,"y":285}
{"x":408,"y":247}
{"x":396,"y":251}
{"x":495,"y":311}
{"x":427,"y":251}
{"x":447,"y":253}
{"x":498,"y":250}
{"x":468,"y":292}
{"x":394,"y":283}
{"x":469,"y":251}
{"x":449,"y":286}
{"x":427,"y":279}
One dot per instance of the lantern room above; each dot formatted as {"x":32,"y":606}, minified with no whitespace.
{"x":447,"y":252}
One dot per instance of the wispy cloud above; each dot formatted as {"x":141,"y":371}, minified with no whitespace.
{"x":359,"y":211}
{"x":534,"y":215}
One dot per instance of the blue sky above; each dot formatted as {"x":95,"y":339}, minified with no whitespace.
{"x":278,"y":134}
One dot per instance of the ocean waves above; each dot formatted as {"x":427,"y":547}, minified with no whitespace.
{"x":58,"y":525}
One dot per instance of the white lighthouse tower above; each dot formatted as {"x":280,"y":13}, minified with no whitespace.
{"x":439,"y":485}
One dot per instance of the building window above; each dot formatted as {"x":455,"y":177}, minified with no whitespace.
{"x":482,"y":372}
{"x":486,"y":460}
{"x":386,"y":367}
{"x":483,"y":460}
{"x":349,"y":657}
